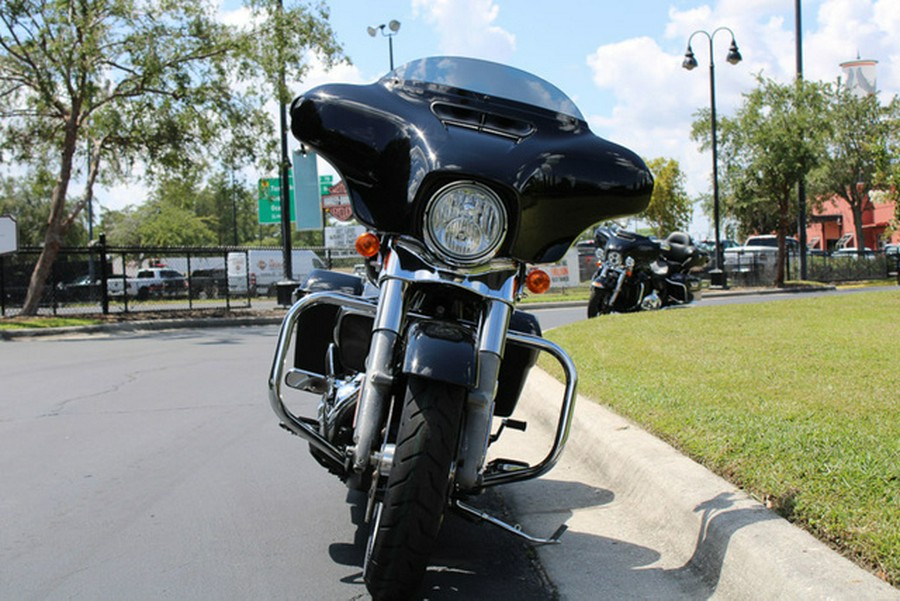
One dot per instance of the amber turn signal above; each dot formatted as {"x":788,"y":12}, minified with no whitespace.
{"x":537,"y":281}
{"x":367,"y":245}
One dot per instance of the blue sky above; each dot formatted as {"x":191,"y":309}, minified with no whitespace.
{"x":621,"y":61}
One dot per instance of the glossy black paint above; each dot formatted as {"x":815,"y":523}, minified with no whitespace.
{"x":395,"y":142}
{"x":441,"y":351}
{"x":629,"y":244}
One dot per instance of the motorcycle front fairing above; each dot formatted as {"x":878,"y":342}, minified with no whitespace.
{"x":440,"y":119}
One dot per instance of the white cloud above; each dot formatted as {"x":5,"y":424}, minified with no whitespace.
{"x":654,"y":99}
{"x":466,"y":28}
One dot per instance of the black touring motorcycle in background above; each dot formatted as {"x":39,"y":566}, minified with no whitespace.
{"x":464,"y":172}
{"x":638,"y":273}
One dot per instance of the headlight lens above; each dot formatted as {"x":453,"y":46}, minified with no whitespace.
{"x":465,"y":223}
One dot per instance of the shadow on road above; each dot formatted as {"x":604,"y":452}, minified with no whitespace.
{"x":471,"y":561}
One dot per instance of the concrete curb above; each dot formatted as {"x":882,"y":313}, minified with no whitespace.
{"x":697,"y":521}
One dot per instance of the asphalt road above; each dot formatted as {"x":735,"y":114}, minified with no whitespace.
{"x":150,"y":466}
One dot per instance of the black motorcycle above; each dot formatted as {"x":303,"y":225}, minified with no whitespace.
{"x":465,"y":172}
{"x":638,"y":273}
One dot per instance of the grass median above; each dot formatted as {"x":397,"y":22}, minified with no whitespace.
{"x":797,"y":402}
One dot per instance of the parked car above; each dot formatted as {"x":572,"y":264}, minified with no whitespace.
{"x":758,"y":253}
{"x":154,"y":282}
{"x":853,"y":253}
{"x":709,"y":245}
{"x":82,"y":288}
{"x":208,"y":283}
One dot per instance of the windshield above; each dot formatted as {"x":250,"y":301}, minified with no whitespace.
{"x":488,"y":78}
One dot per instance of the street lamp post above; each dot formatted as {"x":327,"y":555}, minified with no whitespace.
{"x":717,"y":275}
{"x":394,"y":27}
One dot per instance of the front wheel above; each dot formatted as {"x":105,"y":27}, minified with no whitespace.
{"x":598,"y":303}
{"x":407,"y":520}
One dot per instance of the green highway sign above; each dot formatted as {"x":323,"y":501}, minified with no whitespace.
{"x":325,"y":182}
{"x":270,"y":200}
{"x":270,"y":211}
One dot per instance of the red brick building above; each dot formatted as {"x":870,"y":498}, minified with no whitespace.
{"x":832,"y":225}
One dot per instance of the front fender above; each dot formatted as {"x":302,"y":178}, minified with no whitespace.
{"x":441,"y":351}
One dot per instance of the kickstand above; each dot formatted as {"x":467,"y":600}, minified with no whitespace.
{"x":517,"y":530}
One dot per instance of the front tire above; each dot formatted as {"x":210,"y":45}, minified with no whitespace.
{"x":598,"y":304}
{"x":407,"y":520}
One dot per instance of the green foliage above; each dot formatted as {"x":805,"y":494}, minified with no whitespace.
{"x":670,"y":207}
{"x":204,"y":212}
{"x":27,"y":199}
{"x":773,"y":397}
{"x":271,"y":47}
{"x":165,"y":224}
{"x":775,"y":139}
{"x":862,"y":142}
{"x":108,"y":85}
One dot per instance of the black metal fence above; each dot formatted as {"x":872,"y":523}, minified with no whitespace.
{"x":96,"y":279}
{"x":750,"y":270}
{"x":103,"y":279}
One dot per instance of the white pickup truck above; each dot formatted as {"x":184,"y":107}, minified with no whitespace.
{"x":152,"y":282}
{"x":758,"y":254}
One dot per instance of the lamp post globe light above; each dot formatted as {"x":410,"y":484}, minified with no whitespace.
{"x":394,"y":27}
{"x":717,"y":274}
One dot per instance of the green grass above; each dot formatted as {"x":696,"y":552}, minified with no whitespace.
{"x":579,"y":293}
{"x":18,"y":323}
{"x":797,"y":402}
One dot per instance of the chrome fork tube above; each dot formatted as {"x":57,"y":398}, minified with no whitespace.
{"x":619,"y":282}
{"x":379,"y":376}
{"x":480,"y":401}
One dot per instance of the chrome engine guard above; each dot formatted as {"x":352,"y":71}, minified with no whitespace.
{"x":499,"y":471}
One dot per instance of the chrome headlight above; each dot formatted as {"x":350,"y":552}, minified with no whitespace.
{"x":465,"y":223}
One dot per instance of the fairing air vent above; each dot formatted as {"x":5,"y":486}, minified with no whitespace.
{"x":489,"y":123}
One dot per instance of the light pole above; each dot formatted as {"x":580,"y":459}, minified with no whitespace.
{"x":394,"y":26}
{"x":801,"y":185}
{"x":717,"y":275}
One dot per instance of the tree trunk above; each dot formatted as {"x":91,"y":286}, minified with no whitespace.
{"x":56,"y":224}
{"x":857,"y":208}
{"x":783,"y":226}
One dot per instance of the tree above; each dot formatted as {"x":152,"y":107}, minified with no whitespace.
{"x":26,"y":198}
{"x":95,"y":88}
{"x":773,"y":142}
{"x":670,"y":207}
{"x":229,"y":208}
{"x":861,"y":151}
